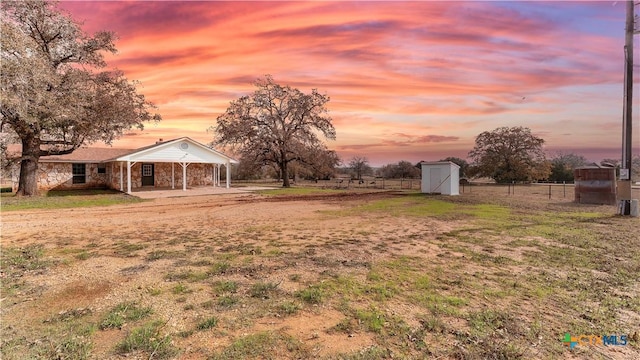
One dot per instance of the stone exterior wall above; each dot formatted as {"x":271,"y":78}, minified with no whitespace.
{"x":197,"y":175}
{"x":59,"y":176}
{"x":113,"y":174}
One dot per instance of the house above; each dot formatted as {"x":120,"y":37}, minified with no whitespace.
{"x":164,"y":164}
{"x":440,"y":177}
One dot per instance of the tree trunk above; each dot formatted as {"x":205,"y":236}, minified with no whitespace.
{"x":28,"y":183}
{"x":285,"y":174}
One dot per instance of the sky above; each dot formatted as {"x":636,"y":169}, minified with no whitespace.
{"x":407,"y":80}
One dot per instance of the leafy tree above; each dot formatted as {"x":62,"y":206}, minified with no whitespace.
{"x":464,"y":165}
{"x":562,"y":166}
{"x":322,"y":164}
{"x":247,"y":169}
{"x":54,"y":99}
{"x":276,"y":125}
{"x":509,"y":154}
{"x":359,"y":165}
{"x":401,"y":170}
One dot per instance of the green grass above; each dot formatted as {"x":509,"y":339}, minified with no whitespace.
{"x":490,"y":330}
{"x":207,"y":324}
{"x":148,"y":338}
{"x":16,"y":261}
{"x":409,"y":205}
{"x":68,"y":348}
{"x":311,"y":295}
{"x":227,"y":301}
{"x":189,"y":275}
{"x":219,"y":268}
{"x":288,"y":308}
{"x":181,"y":289}
{"x":497,"y":282}
{"x":263,"y":290}
{"x":372,"y":319}
{"x":67,"y":199}
{"x":225,"y":286}
{"x":163,"y":254}
{"x":126,"y":249}
{"x":123,"y":313}
{"x":30,"y":257}
{"x":488,"y":211}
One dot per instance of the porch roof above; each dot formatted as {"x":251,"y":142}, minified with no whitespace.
{"x":181,"y":150}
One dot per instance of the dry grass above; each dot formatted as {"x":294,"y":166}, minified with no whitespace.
{"x":324,"y":275}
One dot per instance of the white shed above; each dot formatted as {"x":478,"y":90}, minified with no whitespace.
{"x":440,"y":177}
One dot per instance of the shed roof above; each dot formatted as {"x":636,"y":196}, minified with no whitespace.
{"x":439,"y":163}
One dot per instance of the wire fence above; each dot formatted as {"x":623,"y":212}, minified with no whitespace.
{"x":345,"y":183}
{"x":550,"y":191}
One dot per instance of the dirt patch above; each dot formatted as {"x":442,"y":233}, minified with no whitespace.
{"x":314,"y":329}
{"x":304,"y":266}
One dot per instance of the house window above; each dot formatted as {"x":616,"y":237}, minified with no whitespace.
{"x":102,"y":169}
{"x":147,"y":170}
{"x":79,"y":173}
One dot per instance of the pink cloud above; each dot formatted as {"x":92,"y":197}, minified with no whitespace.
{"x":454,"y":68}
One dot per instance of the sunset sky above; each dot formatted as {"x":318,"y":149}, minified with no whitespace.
{"x":407,"y":80}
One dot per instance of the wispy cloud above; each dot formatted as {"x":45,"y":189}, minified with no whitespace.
{"x":434,"y":68}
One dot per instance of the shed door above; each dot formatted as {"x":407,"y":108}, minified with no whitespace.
{"x":147,"y":175}
{"x":434,"y":180}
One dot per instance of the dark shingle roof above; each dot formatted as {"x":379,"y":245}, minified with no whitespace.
{"x":92,"y":155}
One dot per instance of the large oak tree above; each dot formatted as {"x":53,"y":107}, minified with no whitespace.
{"x":276,"y":125}
{"x":509,"y":154}
{"x":56,"y":94}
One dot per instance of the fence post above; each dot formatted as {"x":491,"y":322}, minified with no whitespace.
{"x":564,"y":189}
{"x":549,"y":191}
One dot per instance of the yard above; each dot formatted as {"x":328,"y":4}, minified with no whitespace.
{"x":328,"y":274}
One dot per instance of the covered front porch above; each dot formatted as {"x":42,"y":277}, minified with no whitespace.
{"x":173,"y":164}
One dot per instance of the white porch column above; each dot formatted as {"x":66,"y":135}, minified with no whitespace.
{"x":213,"y":175}
{"x":173,"y":175}
{"x":228,"y":174}
{"x":184,"y":176}
{"x":121,"y":176}
{"x":129,"y":177}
